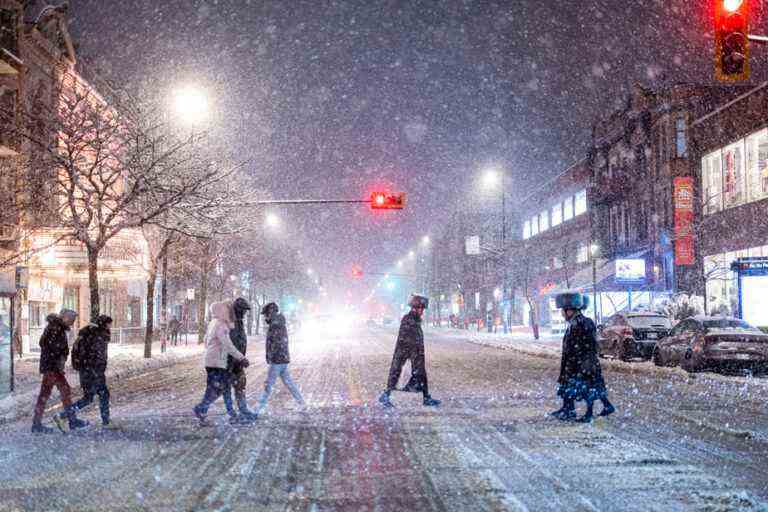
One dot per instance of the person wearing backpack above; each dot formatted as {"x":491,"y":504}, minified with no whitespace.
{"x":89,"y":358}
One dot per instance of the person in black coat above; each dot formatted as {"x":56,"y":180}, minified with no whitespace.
{"x":581,"y":377}
{"x":237,"y":371}
{"x":410,"y":346}
{"x":54,"y":351}
{"x":89,"y":358}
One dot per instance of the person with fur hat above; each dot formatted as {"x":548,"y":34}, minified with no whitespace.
{"x":410,"y":346}
{"x":89,"y":358}
{"x":278,"y":356}
{"x":580,"y":375}
{"x":218,"y":346}
{"x":54,"y":350}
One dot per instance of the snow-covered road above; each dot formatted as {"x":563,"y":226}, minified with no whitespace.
{"x":677,"y":443}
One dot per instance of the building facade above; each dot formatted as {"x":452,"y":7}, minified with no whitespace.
{"x":730,"y":156}
{"x":37,"y":64}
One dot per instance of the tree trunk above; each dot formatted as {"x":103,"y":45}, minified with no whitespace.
{"x":201,"y":299}
{"x":93,"y":280}
{"x":150,"y":313}
{"x":254,"y":311}
{"x":164,"y":288}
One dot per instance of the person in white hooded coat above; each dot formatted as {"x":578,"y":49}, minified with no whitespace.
{"x":218,"y":346}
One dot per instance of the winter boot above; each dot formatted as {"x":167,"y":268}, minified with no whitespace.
{"x":75,"y":423}
{"x":431,"y":402}
{"x":413,"y":386}
{"x":608,"y":408}
{"x":39,"y":428}
{"x":201,"y":416}
{"x":567,"y":412}
{"x":588,"y":416}
{"x":384,"y":400}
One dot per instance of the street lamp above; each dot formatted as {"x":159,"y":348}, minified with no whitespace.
{"x":594,"y":251}
{"x":494,"y":178}
{"x":272,"y":220}
{"x":425,"y":241}
{"x":191,"y":104}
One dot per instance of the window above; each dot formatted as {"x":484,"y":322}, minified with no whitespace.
{"x":680,"y":142}
{"x":580,"y":202}
{"x":757,"y":165}
{"x":526,"y":230}
{"x":568,"y":209}
{"x":733,"y":174}
{"x":544,"y":221}
{"x":712,"y":180}
{"x":557,"y":262}
{"x":557,"y":214}
{"x":582,"y":256}
{"x":535,"y":225}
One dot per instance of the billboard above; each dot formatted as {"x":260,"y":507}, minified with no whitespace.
{"x":683,"y":203}
{"x":630,"y":271}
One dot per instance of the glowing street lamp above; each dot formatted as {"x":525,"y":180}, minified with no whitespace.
{"x":425,"y":240}
{"x":191,"y":104}
{"x":272,"y":220}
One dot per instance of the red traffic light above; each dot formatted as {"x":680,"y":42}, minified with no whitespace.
{"x":387,"y":201}
{"x":357,"y":272}
{"x":731,"y":40}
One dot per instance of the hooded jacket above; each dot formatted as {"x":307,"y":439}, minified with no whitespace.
{"x":217,"y":342}
{"x":54,"y":349}
{"x":237,"y":334}
{"x":92,"y":341}
{"x":277,"y":341}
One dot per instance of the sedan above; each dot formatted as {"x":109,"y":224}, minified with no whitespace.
{"x":702,"y":343}
{"x":632,"y":334}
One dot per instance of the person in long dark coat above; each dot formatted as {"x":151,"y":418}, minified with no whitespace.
{"x":410,"y":346}
{"x":581,"y":377}
{"x":237,"y":371}
{"x":89,"y":358}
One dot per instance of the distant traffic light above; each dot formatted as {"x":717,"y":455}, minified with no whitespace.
{"x":357,"y":272}
{"x":387,"y":201}
{"x":731,"y":40}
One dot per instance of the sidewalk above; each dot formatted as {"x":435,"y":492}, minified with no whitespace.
{"x":521,"y":340}
{"x":124,"y":361}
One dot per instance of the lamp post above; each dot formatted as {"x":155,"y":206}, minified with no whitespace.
{"x":594,"y":250}
{"x":495,"y":178}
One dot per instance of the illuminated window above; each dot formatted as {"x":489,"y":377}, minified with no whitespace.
{"x":557,"y":214}
{"x":733,"y":174}
{"x":580,"y":202}
{"x":568,"y":208}
{"x":757,"y":165}
{"x":535,"y":225}
{"x":582,"y":256}
{"x":526,"y":230}
{"x":680,"y":142}
{"x":712,"y":181}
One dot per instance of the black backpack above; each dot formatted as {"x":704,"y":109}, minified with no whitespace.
{"x":78,"y":352}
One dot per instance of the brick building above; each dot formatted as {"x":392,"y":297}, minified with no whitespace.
{"x":637,"y":154}
{"x":37,"y":64}
{"x":729,"y":153}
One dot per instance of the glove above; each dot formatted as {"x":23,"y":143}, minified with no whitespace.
{"x":245,"y":363}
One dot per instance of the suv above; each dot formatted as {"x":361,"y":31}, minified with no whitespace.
{"x":632,"y":334}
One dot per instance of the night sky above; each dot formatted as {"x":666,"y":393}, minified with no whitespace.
{"x":332,"y":98}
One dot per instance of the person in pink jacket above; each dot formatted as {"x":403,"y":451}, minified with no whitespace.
{"x":218,"y":346}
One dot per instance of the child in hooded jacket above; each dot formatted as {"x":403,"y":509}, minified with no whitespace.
{"x":218,"y":346}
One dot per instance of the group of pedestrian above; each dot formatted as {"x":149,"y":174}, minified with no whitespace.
{"x":225,"y":361}
{"x":89,"y":359}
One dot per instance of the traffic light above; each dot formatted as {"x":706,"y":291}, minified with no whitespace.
{"x":357,"y":272}
{"x":387,"y":201}
{"x":731,"y":40}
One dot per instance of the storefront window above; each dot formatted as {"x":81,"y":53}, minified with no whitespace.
{"x":535,"y":225}
{"x":526,"y":230}
{"x":733,"y":174}
{"x":557,"y":214}
{"x":580,"y":202}
{"x":757,"y":165}
{"x":712,"y":178}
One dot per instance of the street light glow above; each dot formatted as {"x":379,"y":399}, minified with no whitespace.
{"x":273,"y":220}
{"x":425,"y":240}
{"x":191,"y":104}
{"x":732,"y":5}
{"x":411,"y":254}
{"x":491,"y":178}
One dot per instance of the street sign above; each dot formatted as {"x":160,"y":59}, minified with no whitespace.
{"x":472,"y":245}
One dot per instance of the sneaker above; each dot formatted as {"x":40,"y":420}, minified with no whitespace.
{"x":38,"y":428}
{"x":75,"y":423}
{"x":607,"y":411}
{"x":59,"y":421}
{"x":384,"y":400}
{"x":431,"y":402}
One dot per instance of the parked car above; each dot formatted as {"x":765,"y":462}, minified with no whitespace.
{"x":632,"y":334}
{"x":705,"y":342}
